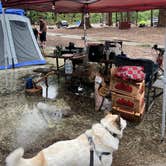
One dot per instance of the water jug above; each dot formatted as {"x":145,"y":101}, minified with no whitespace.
{"x":29,"y":83}
{"x":68,"y":66}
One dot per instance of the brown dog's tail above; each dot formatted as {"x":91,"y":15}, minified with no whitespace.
{"x":14,"y":158}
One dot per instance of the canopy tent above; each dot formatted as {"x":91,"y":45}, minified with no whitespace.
{"x":18,"y":45}
{"x":70,"y":6}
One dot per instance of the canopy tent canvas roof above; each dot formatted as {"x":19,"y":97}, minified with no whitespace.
{"x":70,"y":6}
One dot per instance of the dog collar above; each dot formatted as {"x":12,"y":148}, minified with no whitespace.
{"x":113,"y":134}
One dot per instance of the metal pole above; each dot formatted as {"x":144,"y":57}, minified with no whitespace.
{"x":164,"y":96}
{"x":5,"y":42}
{"x":5,"y":49}
{"x":9,"y":57}
{"x":85,"y":33}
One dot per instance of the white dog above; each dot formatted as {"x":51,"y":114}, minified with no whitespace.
{"x":102,"y":139}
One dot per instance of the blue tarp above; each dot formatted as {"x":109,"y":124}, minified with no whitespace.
{"x":15,"y":11}
{"x":0,"y":7}
{"x":12,"y":11}
{"x":28,"y":63}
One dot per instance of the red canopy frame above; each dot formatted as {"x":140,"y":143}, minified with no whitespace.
{"x":72,"y":6}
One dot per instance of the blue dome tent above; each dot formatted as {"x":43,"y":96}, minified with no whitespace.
{"x":20,"y":12}
{"x":0,"y":7}
{"x":18,"y":44}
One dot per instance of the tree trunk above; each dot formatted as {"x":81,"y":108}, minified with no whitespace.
{"x":162,"y":18}
{"x":121,"y":17}
{"x":103,"y":18}
{"x":87,"y":22}
{"x":116,"y":17}
{"x":55,"y":17}
{"x":109,"y":19}
{"x":151,"y":18}
{"x":128,"y":16}
{"x":136,"y":18}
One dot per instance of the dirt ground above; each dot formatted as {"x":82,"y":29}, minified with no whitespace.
{"x":137,"y":42}
{"x":21,"y":124}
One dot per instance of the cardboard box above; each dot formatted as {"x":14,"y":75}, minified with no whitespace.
{"x":130,"y":116}
{"x":132,"y":104}
{"x":129,"y":88}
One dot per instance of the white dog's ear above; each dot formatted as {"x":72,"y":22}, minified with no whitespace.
{"x":105,"y":137}
{"x":118,"y":122}
{"x":15,"y":157}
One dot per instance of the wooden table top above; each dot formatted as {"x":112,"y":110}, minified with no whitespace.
{"x":72,"y":56}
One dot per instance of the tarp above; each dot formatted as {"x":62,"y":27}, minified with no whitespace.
{"x":20,"y":12}
{"x":13,"y":11}
{"x":70,"y":6}
{"x":0,"y":7}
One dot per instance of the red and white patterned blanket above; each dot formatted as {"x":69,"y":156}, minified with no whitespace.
{"x":131,"y":73}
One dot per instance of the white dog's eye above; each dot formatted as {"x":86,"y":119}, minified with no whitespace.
{"x":114,"y":135}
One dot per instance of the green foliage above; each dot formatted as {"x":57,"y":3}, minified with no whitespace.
{"x":142,"y":16}
{"x":146,"y":15}
{"x":95,"y":17}
{"x":72,"y":18}
{"x":35,"y":16}
{"x":143,"y":23}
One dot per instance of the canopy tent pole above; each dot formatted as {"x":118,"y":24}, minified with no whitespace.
{"x":164,"y":97}
{"x":5,"y":49}
{"x":9,"y":59}
{"x":85,"y":32}
{"x":86,"y":14}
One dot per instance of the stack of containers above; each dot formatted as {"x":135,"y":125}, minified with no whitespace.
{"x":127,"y":96}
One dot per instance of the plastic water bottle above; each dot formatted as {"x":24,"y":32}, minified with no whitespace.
{"x":68,"y":66}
